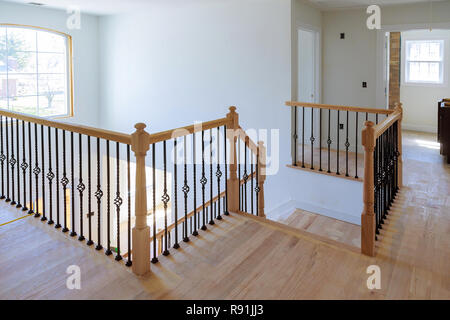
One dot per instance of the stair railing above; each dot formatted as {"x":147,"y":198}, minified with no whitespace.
{"x":79,"y":180}
{"x":383,"y":177}
{"x":325,"y":138}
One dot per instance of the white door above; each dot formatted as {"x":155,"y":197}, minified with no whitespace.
{"x":306,"y":66}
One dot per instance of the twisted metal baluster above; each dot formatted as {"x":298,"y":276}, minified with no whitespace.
{"x":30,"y":181}
{"x":36,"y":171}
{"x":8,"y":199}
{"x":155,"y":253}
{"x":185,"y":190}
{"x":203,"y":181}
{"x":257,"y":189}
{"x":176,"y":245}
{"x":81,"y":186}
{"x":251,"y":182}
{"x":90,"y":213}
{"x":108,"y":201}
{"x":50,"y":175}
{"x":64,"y":181}
{"x":218,"y":173}
{"x":24,"y":167}
{"x":195,"y":233}
{"x":58,"y":225}
{"x":129,"y":261}
{"x":44,"y":218}
{"x":19,"y":205}
{"x":118,"y":201}
{"x":12,"y":162}
{"x":98,"y":195}
{"x":347,"y":146}
{"x":73,"y":186}
{"x":2,"y":158}
{"x":211,"y":220}
{"x":226,"y":170}
{"x":165,"y":199}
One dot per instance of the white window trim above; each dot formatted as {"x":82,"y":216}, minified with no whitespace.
{"x":444,"y":64}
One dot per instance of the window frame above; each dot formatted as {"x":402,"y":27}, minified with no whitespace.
{"x":69,"y":58}
{"x":442,"y":65}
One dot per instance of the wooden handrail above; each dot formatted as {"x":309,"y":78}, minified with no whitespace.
{"x":337,"y":107}
{"x":184,"y":131}
{"x":247,"y":140}
{"x":89,"y":131}
{"x":380,"y":128}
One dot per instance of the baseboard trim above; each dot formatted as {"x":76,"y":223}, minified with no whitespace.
{"x":420,"y":128}
{"x":287,"y":208}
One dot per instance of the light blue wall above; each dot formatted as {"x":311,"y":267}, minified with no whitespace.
{"x":85,"y":53}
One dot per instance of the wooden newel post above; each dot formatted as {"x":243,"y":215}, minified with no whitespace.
{"x":261,"y":177}
{"x":398,"y":108}
{"x":141,"y":231}
{"x":233,"y":182}
{"x":368,"y":215}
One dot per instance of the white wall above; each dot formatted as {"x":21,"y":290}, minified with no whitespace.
{"x":85,"y":53}
{"x":420,"y":101}
{"x":346,"y":63}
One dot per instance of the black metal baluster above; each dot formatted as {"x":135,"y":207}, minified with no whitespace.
{"x":64,"y":181}
{"x":98,"y":195}
{"x":90,"y":213}
{"x":50,"y":176}
{"x":218,"y":174}
{"x":239,"y":171}
{"x":80,"y":187}
{"x":211,"y":220}
{"x":356,"y":146}
{"x":320,"y":139}
{"x":118,"y":200}
{"x":2,"y":159}
{"x":12,"y":162}
{"x":155,"y":253}
{"x":165,"y":199}
{"x":8,"y":199}
{"x":347,"y":146}
{"x":251,"y":182}
{"x":303,"y":137}
{"x":24,"y":167}
{"x":245,"y":176}
{"x":337,"y":144}
{"x":58,"y":224}
{"x":312,"y":139}
{"x":19,"y":205}
{"x":175,"y":193}
{"x":129,"y":261}
{"x":203,"y":181}
{"x":30,"y":181}
{"x":376,"y":118}
{"x":295,"y":136}
{"x":108,"y":201}
{"x":36,"y":172}
{"x":195,"y":233}
{"x":44,"y":218}
{"x":226,"y":170}
{"x":73,"y":186}
{"x":257,"y":189}
{"x":329,"y":140}
{"x":185,"y":191}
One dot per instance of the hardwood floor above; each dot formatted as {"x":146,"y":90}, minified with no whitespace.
{"x":317,"y":224}
{"x":244,"y":258}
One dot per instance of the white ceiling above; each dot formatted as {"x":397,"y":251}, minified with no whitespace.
{"x":340,"y":4}
{"x":105,"y":7}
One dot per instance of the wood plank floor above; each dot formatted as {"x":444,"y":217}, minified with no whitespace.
{"x":320,"y":225}
{"x":243,"y":258}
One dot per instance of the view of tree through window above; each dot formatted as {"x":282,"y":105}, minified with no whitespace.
{"x":34,"y":71}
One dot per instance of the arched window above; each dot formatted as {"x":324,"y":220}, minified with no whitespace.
{"x":35,"y":71}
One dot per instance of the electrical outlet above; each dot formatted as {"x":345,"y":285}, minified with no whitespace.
{"x":342,"y":35}
{"x":364,"y":84}
{"x":341,"y":126}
